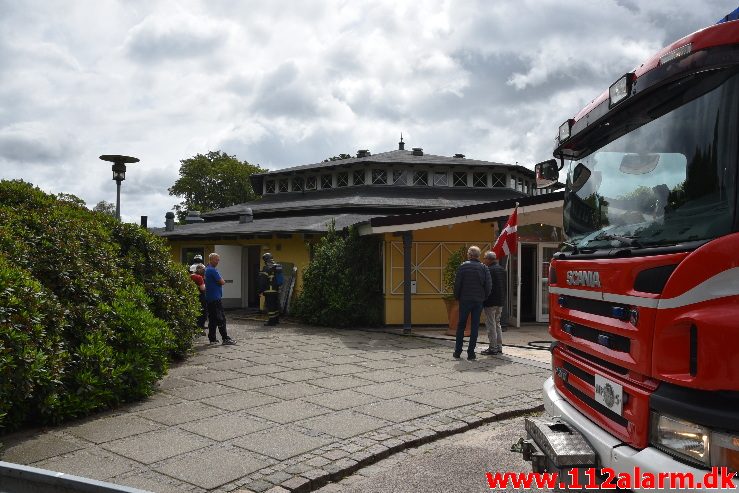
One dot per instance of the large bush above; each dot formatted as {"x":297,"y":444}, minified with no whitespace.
{"x":342,"y":283}
{"x":90,"y":309}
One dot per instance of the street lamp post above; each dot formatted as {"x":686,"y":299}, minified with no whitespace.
{"x":119,"y":174}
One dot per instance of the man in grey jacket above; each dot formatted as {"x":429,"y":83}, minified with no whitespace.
{"x":472,"y":286}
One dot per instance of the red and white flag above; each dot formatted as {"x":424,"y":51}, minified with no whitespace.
{"x":508,"y":239}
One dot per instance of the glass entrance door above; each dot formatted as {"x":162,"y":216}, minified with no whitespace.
{"x":546,"y":252}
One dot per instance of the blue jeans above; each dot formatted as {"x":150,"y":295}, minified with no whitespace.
{"x":468,"y":309}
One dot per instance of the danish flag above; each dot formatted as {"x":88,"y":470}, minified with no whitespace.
{"x":508,"y":239}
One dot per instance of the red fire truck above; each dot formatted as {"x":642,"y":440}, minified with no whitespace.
{"x":644,"y":299}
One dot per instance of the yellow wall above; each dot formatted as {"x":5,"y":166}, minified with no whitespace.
{"x":295,"y":249}
{"x":431,"y":248}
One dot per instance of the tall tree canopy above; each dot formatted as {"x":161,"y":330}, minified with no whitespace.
{"x":212,"y":181}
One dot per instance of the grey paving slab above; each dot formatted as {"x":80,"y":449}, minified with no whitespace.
{"x":154,"y":482}
{"x":22,"y":449}
{"x":229,"y":364}
{"x":213,"y":467}
{"x":157,"y":445}
{"x":157,"y":400}
{"x":213,"y":375}
{"x":341,"y":399}
{"x":424,"y":370}
{"x":350,"y":357}
{"x":304,"y":363}
{"x":525,"y":382}
{"x":389,"y":390}
{"x":253,"y":382}
{"x":180,"y":413}
{"x":515,"y":369}
{"x":258,"y":369}
{"x":299,"y":375}
{"x":484,"y":375}
{"x":380,"y":376}
{"x":292,"y":390}
{"x":340,"y":382}
{"x":487,"y":391}
{"x":288,"y":411}
{"x":169,"y":383}
{"x":239,"y":400}
{"x":226,"y":426}
{"x":397,"y":410}
{"x":380,"y":355}
{"x":385,"y":364}
{"x":444,"y":399}
{"x":344,"y":424}
{"x":345,"y":369}
{"x":94,"y":464}
{"x":113,"y":428}
{"x":281,"y":443}
{"x":200,"y":391}
{"x":433,"y":382}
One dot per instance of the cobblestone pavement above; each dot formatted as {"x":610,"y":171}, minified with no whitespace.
{"x":287,"y":408}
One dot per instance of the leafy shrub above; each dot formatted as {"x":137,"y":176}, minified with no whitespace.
{"x":341,"y":285}
{"x":450,"y":271}
{"x":91,"y":308}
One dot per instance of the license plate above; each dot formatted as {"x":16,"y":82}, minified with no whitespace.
{"x":610,"y":394}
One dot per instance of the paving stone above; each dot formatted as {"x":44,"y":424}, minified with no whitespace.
{"x":433,"y":382}
{"x":299,"y":375}
{"x":213,"y":467}
{"x":170,"y":383}
{"x":425,"y":370}
{"x":157,"y":400}
{"x":288,"y":411}
{"x":335,"y":454}
{"x":316,"y":475}
{"x":292,"y":390}
{"x":299,"y":468}
{"x":259,"y":486}
{"x":341,"y":468}
{"x":226,"y":426}
{"x":229,"y":364}
{"x":397,"y":410}
{"x":253,"y":382}
{"x":23,"y":450}
{"x":209,"y":376}
{"x":94,"y":464}
{"x":444,"y":399}
{"x":318,"y":462}
{"x":297,"y":484}
{"x":180,"y":413}
{"x":385,"y":364}
{"x":349,"y":357}
{"x":346,"y":369}
{"x":389,"y":390}
{"x":112,"y":428}
{"x":340,"y":382}
{"x":278,"y":489}
{"x":341,"y":399}
{"x":303,"y":364}
{"x":486,"y":392}
{"x":380,"y":376}
{"x":200,"y":391}
{"x":516,"y":369}
{"x":237,"y":401}
{"x":278,"y":477}
{"x":153,"y":481}
{"x":344,"y":424}
{"x":280,"y":443}
{"x":157,"y":445}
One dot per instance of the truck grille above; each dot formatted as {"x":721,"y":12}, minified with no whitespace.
{"x":594,"y":307}
{"x":613,"y":341}
{"x":575,"y":378}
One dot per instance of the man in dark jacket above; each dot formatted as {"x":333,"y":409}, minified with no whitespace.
{"x":472,"y":286}
{"x":269,"y":286}
{"x":493,"y":305}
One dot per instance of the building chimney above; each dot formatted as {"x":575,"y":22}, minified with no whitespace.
{"x":144,"y":221}
{"x":417,"y":151}
{"x":193,"y":217}
{"x":246,"y":215}
{"x":459,"y":156}
{"x":363,"y":153}
{"x":169,"y":221}
{"x":401,"y":144}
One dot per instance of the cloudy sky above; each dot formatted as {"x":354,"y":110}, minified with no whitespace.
{"x":283,"y":83}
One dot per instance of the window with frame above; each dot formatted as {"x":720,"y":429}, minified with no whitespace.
{"x":480,"y":179}
{"x":399,"y":177}
{"x":459,"y":179}
{"x":327,"y":181}
{"x":421,"y":178}
{"x":358,"y":177}
{"x":441,"y":179}
{"x":379,"y":177}
{"x":342,"y":179}
{"x":282,"y":185}
{"x":298,"y":184}
{"x":311,"y":183}
{"x":498,"y":180}
{"x":269,"y":186}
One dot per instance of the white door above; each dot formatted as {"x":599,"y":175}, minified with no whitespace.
{"x":230,"y":269}
{"x":545,"y":253}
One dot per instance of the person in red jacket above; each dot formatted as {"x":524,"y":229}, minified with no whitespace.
{"x":197,"y":272}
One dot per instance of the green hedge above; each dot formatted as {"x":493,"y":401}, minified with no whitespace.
{"x":91,"y":309}
{"x":342,"y":283}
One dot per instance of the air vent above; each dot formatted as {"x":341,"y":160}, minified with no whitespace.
{"x":363,"y":153}
{"x":417,"y":151}
{"x":193,"y":217}
{"x":246,"y":215}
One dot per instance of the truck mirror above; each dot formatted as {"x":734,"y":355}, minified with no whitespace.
{"x":547,"y":173}
{"x":580,"y":176}
{"x":638,"y":164}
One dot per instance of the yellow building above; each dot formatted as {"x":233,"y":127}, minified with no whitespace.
{"x":435,"y":204}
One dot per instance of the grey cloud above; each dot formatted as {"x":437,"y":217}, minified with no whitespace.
{"x":281,"y":93}
{"x":150,"y":42}
{"x":34,"y":148}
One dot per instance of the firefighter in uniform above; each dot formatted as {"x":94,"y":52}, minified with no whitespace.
{"x":270,"y":279}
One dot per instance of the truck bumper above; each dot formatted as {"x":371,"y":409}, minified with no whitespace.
{"x":609,"y":450}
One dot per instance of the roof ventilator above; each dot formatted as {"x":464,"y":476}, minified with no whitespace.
{"x":363,"y":153}
{"x":169,"y":221}
{"x":417,"y":151}
{"x":193,"y":217}
{"x":246,"y":215}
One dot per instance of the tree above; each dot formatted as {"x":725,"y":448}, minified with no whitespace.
{"x":105,"y":208}
{"x":212,"y":181}
{"x":340,"y":157}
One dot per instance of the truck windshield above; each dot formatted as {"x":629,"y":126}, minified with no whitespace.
{"x":666,"y":173}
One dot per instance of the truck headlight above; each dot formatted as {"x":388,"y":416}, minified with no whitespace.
{"x":681,"y":438}
{"x":725,"y":451}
